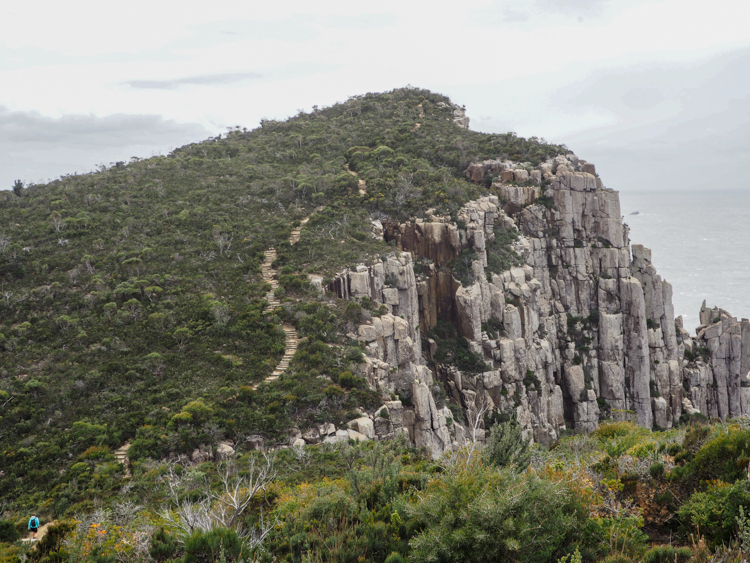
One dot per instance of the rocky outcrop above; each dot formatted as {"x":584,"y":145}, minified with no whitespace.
{"x":581,"y":330}
{"x":394,"y":364}
{"x":717,"y":364}
{"x":459,"y":114}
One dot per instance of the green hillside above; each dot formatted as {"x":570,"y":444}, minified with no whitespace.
{"x":133,"y":311}
{"x":133,"y":291}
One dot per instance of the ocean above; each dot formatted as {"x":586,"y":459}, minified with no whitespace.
{"x":700,"y":243}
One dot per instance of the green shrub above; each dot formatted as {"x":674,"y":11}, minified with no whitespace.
{"x":622,"y":535}
{"x":695,"y":436}
{"x":723,"y":457}
{"x":656,"y":470}
{"x":484,"y":514}
{"x":453,"y":349}
{"x":714,"y":512}
{"x":50,"y":546}
{"x":348,"y":380}
{"x":507,"y":446}
{"x":96,"y":556}
{"x":494,"y":328}
{"x":331,"y":525}
{"x":619,"y":437}
{"x":629,"y":480}
{"x":220,"y":544}
{"x":461,"y":268}
{"x":8,"y":532}
{"x":743,"y":530}
{"x":667,"y":554}
{"x":163,"y":546}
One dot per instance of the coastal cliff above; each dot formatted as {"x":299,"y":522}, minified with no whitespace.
{"x":581,"y":328}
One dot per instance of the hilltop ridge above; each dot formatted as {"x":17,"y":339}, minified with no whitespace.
{"x":442,"y":275}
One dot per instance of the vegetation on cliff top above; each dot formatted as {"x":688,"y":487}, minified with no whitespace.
{"x":132,"y":305}
{"x":132,"y":309}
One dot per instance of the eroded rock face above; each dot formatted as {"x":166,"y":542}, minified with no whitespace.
{"x":719,"y":361}
{"x":394,"y":363}
{"x":588,"y":328}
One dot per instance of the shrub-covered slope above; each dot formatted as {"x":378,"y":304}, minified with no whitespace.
{"x":132,"y":303}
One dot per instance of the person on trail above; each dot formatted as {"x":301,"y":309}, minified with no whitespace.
{"x":33,"y":526}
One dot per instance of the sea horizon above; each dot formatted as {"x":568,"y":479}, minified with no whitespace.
{"x":700,"y":243}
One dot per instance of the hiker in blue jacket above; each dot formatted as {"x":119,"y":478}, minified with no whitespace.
{"x":33,"y":526}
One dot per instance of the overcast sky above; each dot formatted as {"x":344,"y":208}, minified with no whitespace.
{"x":654,"y":92}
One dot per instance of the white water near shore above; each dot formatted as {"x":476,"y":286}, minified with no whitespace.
{"x":700,"y":243}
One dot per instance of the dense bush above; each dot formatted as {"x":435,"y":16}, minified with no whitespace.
{"x":50,"y":547}
{"x":668,"y":554}
{"x":163,"y":546}
{"x":8,"y":532}
{"x":724,"y":456}
{"x":507,"y":446}
{"x":480,"y":514}
{"x":714,"y":512}
{"x":219,"y":544}
{"x":353,"y":519}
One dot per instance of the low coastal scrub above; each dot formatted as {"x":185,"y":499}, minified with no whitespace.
{"x":587,"y":498}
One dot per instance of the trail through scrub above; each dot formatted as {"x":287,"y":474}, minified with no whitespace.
{"x":290,"y":333}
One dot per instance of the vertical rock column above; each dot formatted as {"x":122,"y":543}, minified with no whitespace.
{"x":717,"y":374}
{"x":665,"y":365}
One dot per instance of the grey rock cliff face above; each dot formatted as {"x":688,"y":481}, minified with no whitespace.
{"x":717,"y":365}
{"x":588,"y":328}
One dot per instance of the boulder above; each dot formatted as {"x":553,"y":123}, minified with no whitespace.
{"x":254,"y":442}
{"x":368,"y":333}
{"x":359,"y":284}
{"x":383,"y":426}
{"x":363,"y":425}
{"x":312,"y":436}
{"x":201,"y":454}
{"x":326,"y":429}
{"x":396,"y":412}
{"x":224,"y":451}
{"x":659,"y":405}
{"x":339,"y":436}
{"x":576,"y":383}
{"x":354,"y":435}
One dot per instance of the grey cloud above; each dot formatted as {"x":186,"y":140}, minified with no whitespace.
{"x":200,"y":80}
{"x":676,"y":126}
{"x":502,"y":12}
{"x":34,"y":147}
{"x":510,"y":15}
{"x":20,"y":128}
{"x":573,"y":7}
{"x":642,"y":98}
{"x":490,"y":123}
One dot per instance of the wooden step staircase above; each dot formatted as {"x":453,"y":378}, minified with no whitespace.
{"x":121,"y":454}
{"x":291,"y":339}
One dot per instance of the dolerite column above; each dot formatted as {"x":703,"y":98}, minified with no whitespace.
{"x":636,"y":349}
